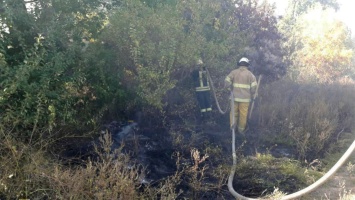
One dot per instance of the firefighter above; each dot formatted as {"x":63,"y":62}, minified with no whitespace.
{"x":243,"y":84}
{"x":202,"y":88}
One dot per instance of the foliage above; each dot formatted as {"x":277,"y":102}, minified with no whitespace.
{"x":301,"y":7}
{"x":258,"y":25}
{"x":324,"y":55}
{"x":318,"y":46}
{"x":146,"y":50}
{"x":46,"y":77}
{"x":68,"y":62}
{"x":155,"y":43}
{"x":158,"y":45}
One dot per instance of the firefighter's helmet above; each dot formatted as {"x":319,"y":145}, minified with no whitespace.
{"x":244,"y":62}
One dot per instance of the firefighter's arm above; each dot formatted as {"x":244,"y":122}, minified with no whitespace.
{"x":253,"y":87}
{"x":228,"y":82}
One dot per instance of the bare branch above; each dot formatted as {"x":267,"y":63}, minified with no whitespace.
{"x":32,"y":1}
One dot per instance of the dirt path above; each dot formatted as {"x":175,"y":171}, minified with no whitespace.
{"x":341,"y":186}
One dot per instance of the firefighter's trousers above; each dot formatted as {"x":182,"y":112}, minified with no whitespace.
{"x":240,"y":115}
{"x":204,"y":101}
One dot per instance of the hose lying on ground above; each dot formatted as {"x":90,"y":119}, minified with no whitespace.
{"x":300,"y":193}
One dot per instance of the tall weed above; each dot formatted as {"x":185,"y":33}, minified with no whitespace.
{"x":28,"y":173}
{"x":310,"y":117}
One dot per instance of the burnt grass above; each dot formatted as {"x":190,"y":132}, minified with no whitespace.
{"x":154,"y":149}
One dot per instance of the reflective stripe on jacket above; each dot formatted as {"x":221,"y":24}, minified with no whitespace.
{"x":201,"y":81}
{"x":244,"y":84}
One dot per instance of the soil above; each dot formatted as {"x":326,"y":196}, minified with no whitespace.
{"x":155,"y":153}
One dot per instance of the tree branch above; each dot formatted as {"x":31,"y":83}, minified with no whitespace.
{"x":32,"y":1}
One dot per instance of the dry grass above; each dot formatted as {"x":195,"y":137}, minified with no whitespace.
{"x":308,"y":116}
{"x":318,"y":121}
{"x":26,"y":173}
{"x":109,"y":176}
{"x":21,"y":170}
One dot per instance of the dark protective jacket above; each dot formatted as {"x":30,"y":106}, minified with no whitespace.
{"x":200,"y":80}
